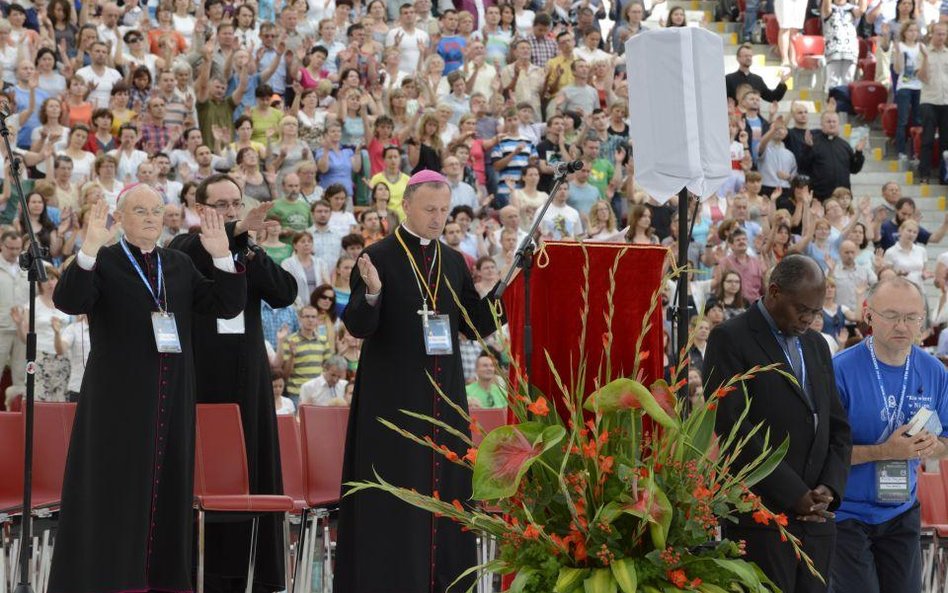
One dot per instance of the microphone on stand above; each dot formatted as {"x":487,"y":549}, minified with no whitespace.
{"x":566,"y":167}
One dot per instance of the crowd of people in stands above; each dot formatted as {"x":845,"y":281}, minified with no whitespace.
{"x":326,"y":107}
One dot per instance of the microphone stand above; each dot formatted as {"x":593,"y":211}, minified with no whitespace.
{"x":32,"y":262}
{"x":523,"y":259}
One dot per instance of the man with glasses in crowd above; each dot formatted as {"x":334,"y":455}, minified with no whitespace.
{"x":883,"y":383}
{"x":231,"y":365}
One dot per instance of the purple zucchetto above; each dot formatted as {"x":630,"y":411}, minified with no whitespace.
{"x":426,"y":176}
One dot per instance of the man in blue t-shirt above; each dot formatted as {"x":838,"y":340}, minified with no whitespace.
{"x":905,"y":210}
{"x":883,"y":382}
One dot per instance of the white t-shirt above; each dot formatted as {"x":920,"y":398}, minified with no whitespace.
{"x":561,"y":222}
{"x":75,"y":339}
{"x":286,"y":407}
{"x":408,"y":48}
{"x":317,"y":391}
{"x":341,"y":223}
{"x":911,"y":263}
{"x":44,"y":329}
{"x":101,"y":85}
{"x":128,"y":162}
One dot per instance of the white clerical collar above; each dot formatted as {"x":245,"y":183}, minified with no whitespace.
{"x":424,"y":242}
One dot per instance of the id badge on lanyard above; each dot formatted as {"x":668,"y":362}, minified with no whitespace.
{"x":166,"y":332}
{"x":891,"y":477}
{"x":163,"y":324}
{"x":437,"y":332}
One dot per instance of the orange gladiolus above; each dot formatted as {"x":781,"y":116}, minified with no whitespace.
{"x":539,"y":407}
{"x":677,"y":578}
{"x":471,"y":455}
{"x":457,"y":504}
{"x":762,"y":517}
{"x":531,"y":532}
{"x":723,"y":391}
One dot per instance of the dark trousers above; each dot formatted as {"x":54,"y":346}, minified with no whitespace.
{"x":907,"y":102}
{"x":777,"y":560}
{"x":933,"y":117}
{"x":878,"y":558}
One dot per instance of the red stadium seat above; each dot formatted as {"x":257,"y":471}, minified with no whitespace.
{"x":323,"y":431}
{"x":916,"y":134}
{"x":865,"y":48}
{"x":291,"y":464}
{"x":11,"y":463}
{"x":488,"y":419}
{"x":809,"y":51}
{"x":890,"y":119}
{"x":812,"y":26}
{"x":771,"y":28}
{"x":866,"y":96}
{"x":221,"y":482}
{"x":933,"y":502}
{"x":934,"y":513}
{"x":868,"y":67}
{"x":52,"y":430}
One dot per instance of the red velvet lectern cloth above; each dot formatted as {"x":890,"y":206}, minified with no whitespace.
{"x":557,"y":310}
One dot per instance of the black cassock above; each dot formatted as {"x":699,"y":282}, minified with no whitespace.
{"x":127,"y":516}
{"x":233,"y":368}
{"x":385,"y":545}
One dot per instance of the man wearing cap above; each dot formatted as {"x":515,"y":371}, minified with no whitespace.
{"x":402,"y":306}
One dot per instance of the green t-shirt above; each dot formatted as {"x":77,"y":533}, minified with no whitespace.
{"x":600,"y":176}
{"x":278,"y":253}
{"x":216,"y":113}
{"x":495,"y":398}
{"x":263,"y":122}
{"x":292,"y":215}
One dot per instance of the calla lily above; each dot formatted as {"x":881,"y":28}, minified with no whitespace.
{"x":628,"y":394}
{"x":507,"y":453}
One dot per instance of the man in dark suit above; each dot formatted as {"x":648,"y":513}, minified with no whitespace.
{"x":809,"y":483}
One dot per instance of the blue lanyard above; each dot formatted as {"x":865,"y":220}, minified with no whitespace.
{"x":141,"y":274}
{"x":889,"y":403}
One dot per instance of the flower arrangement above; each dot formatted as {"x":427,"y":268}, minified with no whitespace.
{"x":611,"y":491}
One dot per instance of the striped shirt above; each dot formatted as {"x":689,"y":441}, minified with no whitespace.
{"x":514,"y":168}
{"x":308,"y":361}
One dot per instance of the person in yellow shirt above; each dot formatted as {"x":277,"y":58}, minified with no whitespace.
{"x":560,"y":69}
{"x":393,"y":177}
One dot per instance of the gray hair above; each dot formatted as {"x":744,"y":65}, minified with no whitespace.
{"x":337,"y":362}
{"x":131,"y":189}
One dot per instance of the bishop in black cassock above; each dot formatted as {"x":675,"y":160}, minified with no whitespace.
{"x":127,"y":517}
{"x":385,"y":545}
{"x":232,"y":367}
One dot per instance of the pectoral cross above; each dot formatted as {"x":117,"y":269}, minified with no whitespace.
{"x":425,"y":312}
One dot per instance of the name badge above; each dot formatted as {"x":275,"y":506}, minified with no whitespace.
{"x":437,"y":332}
{"x":166,"y":332}
{"x":231,"y":326}
{"x":892,"y":482}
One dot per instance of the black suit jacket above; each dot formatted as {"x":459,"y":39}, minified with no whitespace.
{"x":815,"y":457}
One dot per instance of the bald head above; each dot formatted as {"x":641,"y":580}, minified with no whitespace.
{"x":510,"y":217}
{"x":795,"y":294}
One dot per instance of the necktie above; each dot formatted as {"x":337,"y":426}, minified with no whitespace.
{"x":797,"y":363}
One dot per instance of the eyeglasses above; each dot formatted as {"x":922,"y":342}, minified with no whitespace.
{"x":325,"y":297}
{"x":225,"y":206}
{"x":894,"y":317}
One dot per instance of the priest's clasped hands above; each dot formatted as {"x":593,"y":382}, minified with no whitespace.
{"x":813,"y":506}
